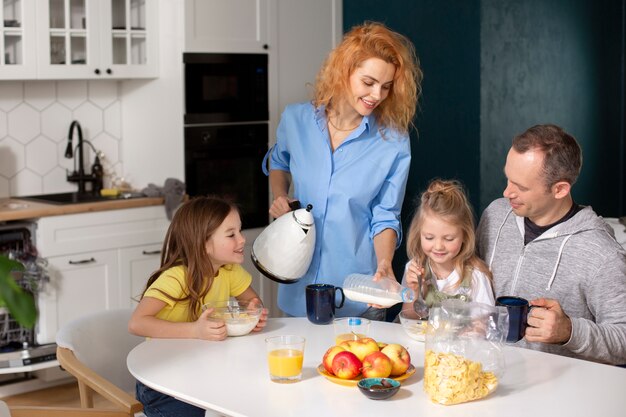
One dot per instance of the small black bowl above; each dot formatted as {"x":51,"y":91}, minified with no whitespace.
{"x":378,"y":388}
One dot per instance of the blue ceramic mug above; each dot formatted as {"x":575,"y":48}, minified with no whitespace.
{"x":518,"y":315}
{"x":321,"y":302}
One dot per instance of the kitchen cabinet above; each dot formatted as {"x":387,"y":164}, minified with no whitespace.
{"x":81,"y":284}
{"x":79,"y":39}
{"x":303,"y":32}
{"x":137,"y":263}
{"x":237,"y":26}
{"x":18,"y":55}
{"x":96,"y":39}
{"x":97,"y":261}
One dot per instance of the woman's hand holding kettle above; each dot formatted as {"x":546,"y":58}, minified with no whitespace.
{"x":282,"y":205}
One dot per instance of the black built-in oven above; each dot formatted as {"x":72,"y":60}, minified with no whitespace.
{"x":225,"y":88}
{"x":226,"y":160}
{"x":226,"y":130}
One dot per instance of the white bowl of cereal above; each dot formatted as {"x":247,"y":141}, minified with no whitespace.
{"x":240,"y":317}
{"x":414,"y":327}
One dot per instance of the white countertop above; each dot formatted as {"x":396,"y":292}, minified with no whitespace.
{"x":232,"y":378}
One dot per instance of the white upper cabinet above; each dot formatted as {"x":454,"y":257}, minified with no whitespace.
{"x":18,"y":54}
{"x":96,"y":39}
{"x":80,"y":39}
{"x":237,"y":26}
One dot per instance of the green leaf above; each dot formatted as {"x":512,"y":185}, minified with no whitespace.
{"x":20,"y":303}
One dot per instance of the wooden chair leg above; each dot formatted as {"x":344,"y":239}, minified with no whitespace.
{"x":86,"y":395}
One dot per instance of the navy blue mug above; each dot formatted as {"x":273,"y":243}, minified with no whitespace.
{"x":518,"y":315}
{"x":321,"y":302}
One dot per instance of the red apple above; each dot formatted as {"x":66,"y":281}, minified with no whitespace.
{"x":346,"y":365}
{"x":327,"y":361}
{"x":376,"y":365}
{"x":361,"y":347}
{"x":399,"y":357}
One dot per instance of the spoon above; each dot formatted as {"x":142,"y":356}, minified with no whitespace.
{"x":231,"y":310}
{"x":419,"y":306}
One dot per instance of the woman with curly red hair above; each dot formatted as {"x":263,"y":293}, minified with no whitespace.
{"x":348,"y":153}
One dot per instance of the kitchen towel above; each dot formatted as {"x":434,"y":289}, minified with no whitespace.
{"x":173,"y":191}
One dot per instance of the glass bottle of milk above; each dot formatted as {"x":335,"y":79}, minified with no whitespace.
{"x":385,"y":292}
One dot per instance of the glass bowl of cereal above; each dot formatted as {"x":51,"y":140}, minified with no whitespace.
{"x":414,"y":327}
{"x":240,"y":317}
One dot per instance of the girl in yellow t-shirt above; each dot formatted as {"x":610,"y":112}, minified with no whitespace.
{"x":201,"y":259}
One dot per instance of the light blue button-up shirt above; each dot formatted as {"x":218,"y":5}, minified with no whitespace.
{"x":356,"y":192}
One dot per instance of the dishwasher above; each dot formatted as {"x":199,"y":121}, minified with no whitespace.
{"x":18,"y":345}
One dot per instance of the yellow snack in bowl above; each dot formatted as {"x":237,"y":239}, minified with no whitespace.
{"x":452,"y":379}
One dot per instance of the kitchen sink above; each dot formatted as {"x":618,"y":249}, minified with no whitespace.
{"x":77,"y":198}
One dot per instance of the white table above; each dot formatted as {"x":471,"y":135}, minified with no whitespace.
{"x":232,"y":378}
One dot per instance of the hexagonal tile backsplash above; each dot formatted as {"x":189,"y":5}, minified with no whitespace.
{"x":35,"y":117}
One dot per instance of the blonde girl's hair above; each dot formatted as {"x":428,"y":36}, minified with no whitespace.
{"x":185,"y":245}
{"x":373,"y":40}
{"x":447,"y":200}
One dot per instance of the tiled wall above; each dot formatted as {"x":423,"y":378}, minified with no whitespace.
{"x":35,"y":117}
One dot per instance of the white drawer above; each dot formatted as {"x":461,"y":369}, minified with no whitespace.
{"x":84,"y":232}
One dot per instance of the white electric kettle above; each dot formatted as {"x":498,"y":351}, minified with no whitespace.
{"x":283,"y":251}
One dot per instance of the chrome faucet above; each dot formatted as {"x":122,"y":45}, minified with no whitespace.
{"x":80,"y":176}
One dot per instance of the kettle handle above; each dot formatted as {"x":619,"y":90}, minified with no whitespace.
{"x":295,"y":205}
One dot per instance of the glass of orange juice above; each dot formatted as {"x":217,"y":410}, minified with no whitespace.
{"x":350,"y":328}
{"x":285,"y":355}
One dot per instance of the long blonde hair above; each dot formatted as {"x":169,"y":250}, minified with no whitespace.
{"x":446,"y":199}
{"x":185,"y":244}
{"x":373,"y":40}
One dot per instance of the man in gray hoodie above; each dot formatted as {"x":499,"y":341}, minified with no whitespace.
{"x":542,"y":246}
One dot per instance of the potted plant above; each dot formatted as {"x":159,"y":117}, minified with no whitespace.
{"x":20,"y":303}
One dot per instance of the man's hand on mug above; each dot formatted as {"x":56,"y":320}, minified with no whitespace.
{"x":548,"y":323}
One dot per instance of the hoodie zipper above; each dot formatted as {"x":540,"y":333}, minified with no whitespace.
{"x":517,"y":269}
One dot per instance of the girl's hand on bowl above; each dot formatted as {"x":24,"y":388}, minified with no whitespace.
{"x":262,"y":321}
{"x":254,"y":304}
{"x":208,"y":328}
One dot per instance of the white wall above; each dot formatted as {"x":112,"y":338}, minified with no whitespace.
{"x":152,"y":121}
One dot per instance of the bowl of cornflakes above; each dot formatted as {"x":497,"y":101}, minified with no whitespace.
{"x":414,"y":327}
{"x":240,"y":317}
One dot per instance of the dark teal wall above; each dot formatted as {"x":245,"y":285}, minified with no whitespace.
{"x":555,"y":61}
{"x":446,"y":36}
{"x":496,"y":67}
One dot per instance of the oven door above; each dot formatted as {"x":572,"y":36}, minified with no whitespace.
{"x":226,"y":160}
{"x":224,"y":88}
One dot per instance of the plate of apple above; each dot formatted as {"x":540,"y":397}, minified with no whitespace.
{"x":352,"y":360}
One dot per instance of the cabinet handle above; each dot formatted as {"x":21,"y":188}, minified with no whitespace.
{"x":84,"y":261}
{"x":266,"y":46}
{"x":151,"y":252}
{"x":109,"y":71}
{"x":97,"y":71}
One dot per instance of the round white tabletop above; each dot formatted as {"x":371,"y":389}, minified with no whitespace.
{"x":232,"y":378}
